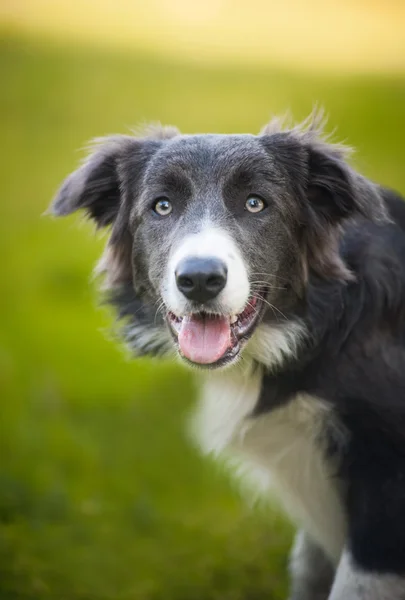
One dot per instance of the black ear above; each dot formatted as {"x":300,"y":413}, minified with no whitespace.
{"x":330,"y":191}
{"x":97,"y":186}
{"x":334,"y":193}
{"x":106,"y":186}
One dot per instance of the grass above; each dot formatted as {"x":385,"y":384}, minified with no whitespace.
{"x":101,"y":494}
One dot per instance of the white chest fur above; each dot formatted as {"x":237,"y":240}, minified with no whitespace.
{"x":279,"y":450}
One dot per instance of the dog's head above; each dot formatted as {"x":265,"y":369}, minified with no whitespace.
{"x":213,"y":236}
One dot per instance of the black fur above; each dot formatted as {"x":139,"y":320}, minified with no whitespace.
{"x":356,"y":360}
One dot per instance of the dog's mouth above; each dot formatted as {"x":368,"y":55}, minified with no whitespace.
{"x":212,"y":339}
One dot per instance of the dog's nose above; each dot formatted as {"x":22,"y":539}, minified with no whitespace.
{"x":201,"y":279}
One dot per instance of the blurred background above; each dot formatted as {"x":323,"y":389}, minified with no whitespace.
{"x":101,"y":494}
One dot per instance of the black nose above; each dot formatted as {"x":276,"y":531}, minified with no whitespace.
{"x":201,"y":279}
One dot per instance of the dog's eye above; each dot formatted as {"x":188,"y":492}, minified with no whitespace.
{"x":254,"y":204}
{"x":163,"y":207}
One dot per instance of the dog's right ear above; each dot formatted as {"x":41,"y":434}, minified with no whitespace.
{"x":97,"y":185}
{"x":105,"y":185}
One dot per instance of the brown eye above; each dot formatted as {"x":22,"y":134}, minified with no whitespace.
{"x":163,"y":207}
{"x":254,"y":204}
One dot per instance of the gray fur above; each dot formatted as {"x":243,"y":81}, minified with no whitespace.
{"x":311,"y":571}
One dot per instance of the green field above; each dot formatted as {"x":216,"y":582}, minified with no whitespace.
{"x":101,"y":495}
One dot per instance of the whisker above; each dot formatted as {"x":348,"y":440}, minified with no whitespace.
{"x":269,"y":285}
{"x":272,"y":307}
{"x":159,"y":309}
{"x":252,"y":307}
{"x":269,"y":276}
{"x":263,"y":273}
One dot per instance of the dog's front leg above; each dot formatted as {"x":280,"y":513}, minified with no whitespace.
{"x":311,"y":571}
{"x":354,"y":583}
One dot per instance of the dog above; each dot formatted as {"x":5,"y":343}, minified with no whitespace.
{"x":278,"y":271}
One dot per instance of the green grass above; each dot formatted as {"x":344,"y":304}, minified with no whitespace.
{"x":101,"y":495}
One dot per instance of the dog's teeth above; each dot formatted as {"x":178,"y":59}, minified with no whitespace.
{"x":233,"y":319}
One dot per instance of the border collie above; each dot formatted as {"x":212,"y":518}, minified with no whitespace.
{"x":279,"y":271}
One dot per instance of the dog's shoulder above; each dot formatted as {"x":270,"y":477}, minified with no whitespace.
{"x":284,"y":449}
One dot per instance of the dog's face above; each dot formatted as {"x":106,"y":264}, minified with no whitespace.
{"x":217,"y":232}
{"x":211,"y":241}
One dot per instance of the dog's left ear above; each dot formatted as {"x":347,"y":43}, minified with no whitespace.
{"x":329,"y":190}
{"x":334,"y":193}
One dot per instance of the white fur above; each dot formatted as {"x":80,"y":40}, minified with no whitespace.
{"x":352,"y":583}
{"x":271,"y":345}
{"x":281,"y":449}
{"x":212,"y":242}
{"x":286,"y":441}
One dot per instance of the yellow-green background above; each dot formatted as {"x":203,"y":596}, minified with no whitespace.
{"x":101,"y":495}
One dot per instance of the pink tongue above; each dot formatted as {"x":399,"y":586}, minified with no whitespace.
{"x":204,"y":339}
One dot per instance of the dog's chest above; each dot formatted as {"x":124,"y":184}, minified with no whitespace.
{"x":281,"y":449}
